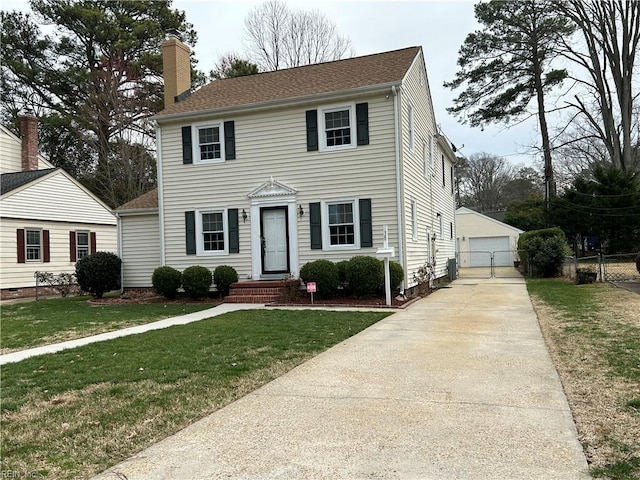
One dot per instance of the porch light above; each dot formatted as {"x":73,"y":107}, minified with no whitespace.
{"x":300,"y":211}
{"x":244,"y":216}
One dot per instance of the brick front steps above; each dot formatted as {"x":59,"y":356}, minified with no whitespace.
{"x":262,"y":291}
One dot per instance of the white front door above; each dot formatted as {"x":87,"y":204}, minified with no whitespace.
{"x":275,"y":252}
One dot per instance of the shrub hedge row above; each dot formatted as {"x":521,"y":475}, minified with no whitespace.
{"x":360,"y":276}
{"x":195,"y":280}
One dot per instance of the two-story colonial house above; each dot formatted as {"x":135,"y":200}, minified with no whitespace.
{"x":48,"y":219}
{"x":270,"y":171}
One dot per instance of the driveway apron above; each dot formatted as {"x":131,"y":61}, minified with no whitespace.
{"x":457,"y":386}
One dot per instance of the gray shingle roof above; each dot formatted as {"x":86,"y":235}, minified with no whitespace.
{"x":11,"y":181}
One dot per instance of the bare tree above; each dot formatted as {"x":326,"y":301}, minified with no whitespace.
{"x":277,"y":37}
{"x":610,"y":32}
{"x":482,"y":180}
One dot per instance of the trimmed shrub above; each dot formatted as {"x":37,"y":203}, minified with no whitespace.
{"x":546,"y":255}
{"x":166,"y":281}
{"x":397,"y":274}
{"x":99,"y":273}
{"x":342,"y":272}
{"x":196,"y":281}
{"x":364,"y":275}
{"x":324,"y":273}
{"x":544,"y":250}
{"x":223,"y":277}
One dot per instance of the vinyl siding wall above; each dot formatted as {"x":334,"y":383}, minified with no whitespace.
{"x":17,"y":275}
{"x":427,"y":190}
{"x":10,"y":153}
{"x":56,"y":198}
{"x":273,"y":144}
{"x":140,"y":249}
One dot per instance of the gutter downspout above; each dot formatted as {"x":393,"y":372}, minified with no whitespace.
{"x":119,"y":230}
{"x":399,"y":194}
{"x":160,"y":195}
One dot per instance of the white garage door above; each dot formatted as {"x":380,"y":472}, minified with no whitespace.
{"x":480,"y":247}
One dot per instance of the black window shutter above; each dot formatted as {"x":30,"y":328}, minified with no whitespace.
{"x":72,"y":247}
{"x":190,"y":230}
{"x":312,"y":130}
{"x":362,"y":123}
{"x":366,"y":226}
{"x":234,"y":231}
{"x":315,"y":220}
{"x":187,"y":152}
{"x":229,"y":140}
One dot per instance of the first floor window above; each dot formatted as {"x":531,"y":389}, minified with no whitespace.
{"x":341,"y":224}
{"x":209,"y":145}
{"x":213,"y":232}
{"x":82,"y":245}
{"x":33,"y":245}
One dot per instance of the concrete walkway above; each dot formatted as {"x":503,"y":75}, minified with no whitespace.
{"x":457,"y":386}
{"x":167,"y":322}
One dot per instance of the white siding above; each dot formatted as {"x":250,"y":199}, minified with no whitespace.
{"x":56,"y":198}
{"x":11,"y":153}
{"x":16,"y":275}
{"x":430,"y":195}
{"x":140,"y":249}
{"x":273,"y":144}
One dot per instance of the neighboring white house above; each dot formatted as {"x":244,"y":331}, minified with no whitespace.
{"x":49,"y":220}
{"x":270,"y":171}
{"x":479,"y":237}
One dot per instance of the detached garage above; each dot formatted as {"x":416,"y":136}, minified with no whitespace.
{"x":480,"y":237}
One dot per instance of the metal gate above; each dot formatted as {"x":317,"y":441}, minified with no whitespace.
{"x":494,"y":265}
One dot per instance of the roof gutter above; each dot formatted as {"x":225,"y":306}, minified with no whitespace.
{"x":320,"y":97}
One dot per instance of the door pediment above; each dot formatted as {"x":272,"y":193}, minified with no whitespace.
{"x":272,"y":188}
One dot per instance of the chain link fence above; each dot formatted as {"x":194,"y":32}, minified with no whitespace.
{"x":607,"y":268}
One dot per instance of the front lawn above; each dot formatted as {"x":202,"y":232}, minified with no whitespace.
{"x":593,"y":335}
{"x":75,"y":413}
{"x":31,"y":324}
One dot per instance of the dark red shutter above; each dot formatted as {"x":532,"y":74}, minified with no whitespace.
{"x":93,"y":242}
{"x":21,"y":249}
{"x":46,"y":257}
{"x":72,"y":247}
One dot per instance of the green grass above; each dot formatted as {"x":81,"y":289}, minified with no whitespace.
{"x":31,"y":324}
{"x":75,"y":413}
{"x":599,"y":322}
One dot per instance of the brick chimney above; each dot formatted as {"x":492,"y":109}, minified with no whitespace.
{"x":176,"y":69}
{"x":29,"y":134}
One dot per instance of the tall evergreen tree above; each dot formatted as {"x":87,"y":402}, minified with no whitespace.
{"x":93,"y":82}
{"x":507,"y":64}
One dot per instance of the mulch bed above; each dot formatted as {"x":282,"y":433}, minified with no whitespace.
{"x":138,"y":297}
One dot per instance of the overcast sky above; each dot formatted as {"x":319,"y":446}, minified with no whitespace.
{"x":439,"y":27}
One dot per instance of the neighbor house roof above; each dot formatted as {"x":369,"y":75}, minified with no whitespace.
{"x":300,"y":82}
{"x":11,"y":181}
{"x":143,"y":202}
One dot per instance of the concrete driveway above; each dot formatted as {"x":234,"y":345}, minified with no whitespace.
{"x":458,"y":386}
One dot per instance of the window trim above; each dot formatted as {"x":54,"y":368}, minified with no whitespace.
{"x":322,"y":128}
{"x":326,"y":231}
{"x":414,"y":219}
{"x":195,"y":136}
{"x":40,"y":258}
{"x":77,"y":232}
{"x":411,"y":128}
{"x":444,"y":174}
{"x":200,"y":251}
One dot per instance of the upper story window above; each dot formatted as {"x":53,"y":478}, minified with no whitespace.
{"x":82,"y":245}
{"x":33,"y":245}
{"x":444,"y":174}
{"x":452,"y":178}
{"x":208,"y":146}
{"x":210,"y":142}
{"x":337,"y":129}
